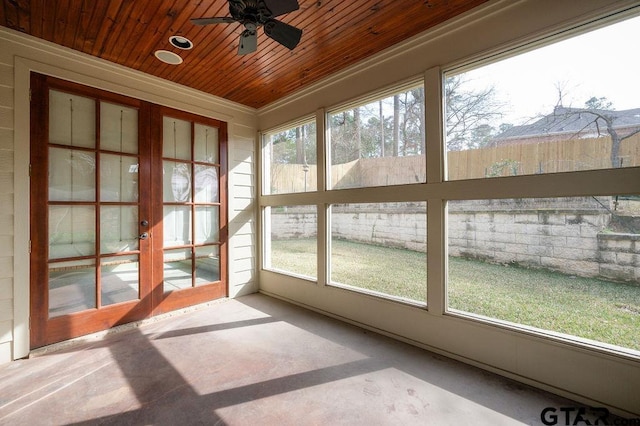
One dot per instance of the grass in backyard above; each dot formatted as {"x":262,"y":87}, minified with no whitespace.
{"x":371,"y":267}
{"x":595,"y":309}
{"x":298,"y":256}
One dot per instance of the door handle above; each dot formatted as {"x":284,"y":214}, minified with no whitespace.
{"x":144,"y":236}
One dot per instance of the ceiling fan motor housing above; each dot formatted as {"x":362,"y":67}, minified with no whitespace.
{"x":250,"y":11}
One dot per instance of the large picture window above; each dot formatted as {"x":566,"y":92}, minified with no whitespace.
{"x":380,"y":248}
{"x":549,"y":248}
{"x":567,"y":265}
{"x":291,"y":243}
{"x":559,"y":108}
{"x":379,"y":143}
{"x":290,"y":163}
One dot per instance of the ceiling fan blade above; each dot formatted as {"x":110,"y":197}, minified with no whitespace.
{"x":280,"y":7}
{"x":284,"y":34}
{"x":214,"y":20}
{"x":248,"y":42}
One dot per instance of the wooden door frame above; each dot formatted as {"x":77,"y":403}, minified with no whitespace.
{"x":152,"y":300}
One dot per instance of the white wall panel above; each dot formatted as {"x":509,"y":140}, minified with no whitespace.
{"x":6,"y":266}
{"x":6,"y":288}
{"x":6,"y":205}
{"x":6,"y":331}
{"x":242,"y":245}
{"x":6,"y":96}
{"x":6,"y":117}
{"x":6,"y":139}
{"x":6,"y":160}
{"x":5,"y":352}
{"x":6,"y":76}
{"x":6,"y":308}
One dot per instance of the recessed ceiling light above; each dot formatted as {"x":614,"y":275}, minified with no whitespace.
{"x":168,"y":57}
{"x":180,"y":42}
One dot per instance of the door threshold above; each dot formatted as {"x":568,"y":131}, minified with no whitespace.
{"x":100,"y":335}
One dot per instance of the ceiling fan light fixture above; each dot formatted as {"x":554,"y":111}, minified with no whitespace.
{"x":168,"y":57}
{"x":259,"y":13}
{"x":181,"y":42}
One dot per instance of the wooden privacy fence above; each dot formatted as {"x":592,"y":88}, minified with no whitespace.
{"x":544,"y":157}
{"x":522,"y":159}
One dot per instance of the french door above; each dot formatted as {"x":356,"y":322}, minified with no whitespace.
{"x":127,"y":210}
{"x":189,"y":195}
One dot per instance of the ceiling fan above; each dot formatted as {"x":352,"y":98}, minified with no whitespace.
{"x":259,"y":13}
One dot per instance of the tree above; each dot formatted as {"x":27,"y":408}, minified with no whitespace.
{"x":390,"y":126}
{"x":468,"y":110}
{"x":300,"y":151}
{"x":358,"y":132}
{"x":344,"y":137}
{"x":381,"y":111}
{"x":603,"y":118}
{"x":294,"y":146}
{"x":396,"y":124}
{"x":482,"y":135}
{"x":415,"y":116}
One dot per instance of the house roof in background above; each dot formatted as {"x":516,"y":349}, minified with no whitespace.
{"x":580,"y":122}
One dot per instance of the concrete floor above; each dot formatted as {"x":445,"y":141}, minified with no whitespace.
{"x":257,"y":361}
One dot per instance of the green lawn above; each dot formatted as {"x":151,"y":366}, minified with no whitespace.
{"x":595,"y":309}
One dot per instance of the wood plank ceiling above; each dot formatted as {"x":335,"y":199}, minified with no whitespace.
{"x":336,"y":34}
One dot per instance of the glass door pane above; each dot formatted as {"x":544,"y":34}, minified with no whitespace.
{"x":71,"y":208}
{"x":191,"y":204}
{"x":205,"y":144}
{"x":75,"y":281}
{"x":177,"y":269}
{"x":177,"y":225}
{"x":207,"y":264}
{"x":118,"y":128}
{"x":72,"y":120}
{"x":177,"y":194}
{"x":176,"y":140}
{"x":119,"y":229}
{"x":119,"y":205}
{"x":207,"y":224}
{"x":177,"y":182}
{"x":72,"y":175}
{"x":72,"y":287}
{"x":119,"y":279}
{"x":206,"y":184}
{"x":118,"y":178}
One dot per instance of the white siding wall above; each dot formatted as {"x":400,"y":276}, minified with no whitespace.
{"x":20,"y":54}
{"x":242,"y":235}
{"x":6,"y":204}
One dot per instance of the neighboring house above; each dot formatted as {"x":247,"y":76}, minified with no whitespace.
{"x":570,"y":123}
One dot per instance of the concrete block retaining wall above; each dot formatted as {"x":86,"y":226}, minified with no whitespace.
{"x":399,"y":230}
{"x":576,"y":243}
{"x":288,"y":223}
{"x":574,"y":240}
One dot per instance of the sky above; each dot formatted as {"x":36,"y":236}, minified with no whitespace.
{"x":604,"y":62}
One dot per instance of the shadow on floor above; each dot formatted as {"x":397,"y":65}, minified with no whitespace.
{"x":258,"y":360}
